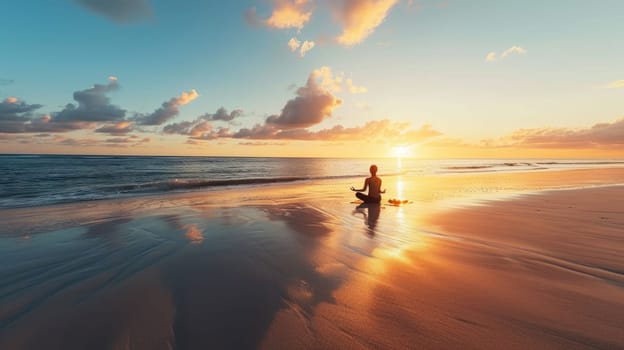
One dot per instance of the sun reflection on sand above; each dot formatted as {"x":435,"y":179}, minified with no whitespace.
{"x":399,"y":187}
{"x":384,"y":255}
{"x":194,"y":234}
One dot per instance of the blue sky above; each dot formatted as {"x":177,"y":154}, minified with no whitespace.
{"x":424,"y":64}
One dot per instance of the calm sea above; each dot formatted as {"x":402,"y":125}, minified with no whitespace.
{"x":34,"y":180}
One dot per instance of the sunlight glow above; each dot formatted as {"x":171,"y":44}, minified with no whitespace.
{"x":400,"y":151}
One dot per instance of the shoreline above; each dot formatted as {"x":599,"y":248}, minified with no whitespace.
{"x":606,"y":177}
{"x":190,"y":175}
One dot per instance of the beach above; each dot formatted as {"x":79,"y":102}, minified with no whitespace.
{"x":478,"y":260}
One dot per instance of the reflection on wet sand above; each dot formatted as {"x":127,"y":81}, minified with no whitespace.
{"x":194,"y":234}
{"x":226,"y":287}
{"x":371,"y":212}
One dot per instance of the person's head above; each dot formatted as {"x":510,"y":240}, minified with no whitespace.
{"x":373,"y":170}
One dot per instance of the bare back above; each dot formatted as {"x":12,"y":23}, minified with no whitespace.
{"x":374,"y":186}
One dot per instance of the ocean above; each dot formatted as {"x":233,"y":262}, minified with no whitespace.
{"x":37,"y":180}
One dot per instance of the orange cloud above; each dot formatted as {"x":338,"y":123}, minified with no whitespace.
{"x":261,"y":143}
{"x":314,"y":102}
{"x":377,"y":130}
{"x":602,"y":135}
{"x":360,"y":18}
{"x":185,"y":98}
{"x":169,"y":109}
{"x":119,"y":128}
{"x":335,"y":82}
{"x":326,"y":79}
{"x":286,"y":14}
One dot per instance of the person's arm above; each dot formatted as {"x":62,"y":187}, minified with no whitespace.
{"x":380,"y":190}
{"x":362,"y":189}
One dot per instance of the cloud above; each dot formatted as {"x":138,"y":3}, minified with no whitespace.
{"x":168,"y":110}
{"x":94,"y":108}
{"x":118,"y":128}
{"x":94,"y":111}
{"x":85,"y":142}
{"x":305,"y":47}
{"x":202,"y":124}
{"x":14,"y":109}
{"x":207,"y":132}
{"x":258,"y":132}
{"x":15,"y":115}
{"x":122,"y":11}
{"x":602,"y":135}
{"x":360,"y":18}
{"x":119,"y":140}
{"x":314,"y":103}
{"x":261,"y":143}
{"x":513,"y":49}
{"x":130,"y":141}
{"x":182,"y":128}
{"x":285,"y":14}
{"x":93,"y":105}
{"x":327,"y":80}
{"x":616,"y":84}
{"x":289,"y":14}
{"x":124,"y":142}
{"x":493,"y":56}
{"x":294,"y":44}
{"x":223,"y":115}
{"x":355,"y":89}
{"x":335,"y":82}
{"x":378,"y":130}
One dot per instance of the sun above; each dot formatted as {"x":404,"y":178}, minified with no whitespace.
{"x":400,"y":151}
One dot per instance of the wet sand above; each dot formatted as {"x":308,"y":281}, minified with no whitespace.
{"x":484,"y":261}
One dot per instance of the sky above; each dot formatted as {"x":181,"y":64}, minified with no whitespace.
{"x":314,"y":78}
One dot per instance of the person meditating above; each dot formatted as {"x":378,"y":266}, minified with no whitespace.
{"x":373,"y":184}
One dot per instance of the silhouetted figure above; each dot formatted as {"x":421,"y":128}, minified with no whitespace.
{"x":373,"y":184}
